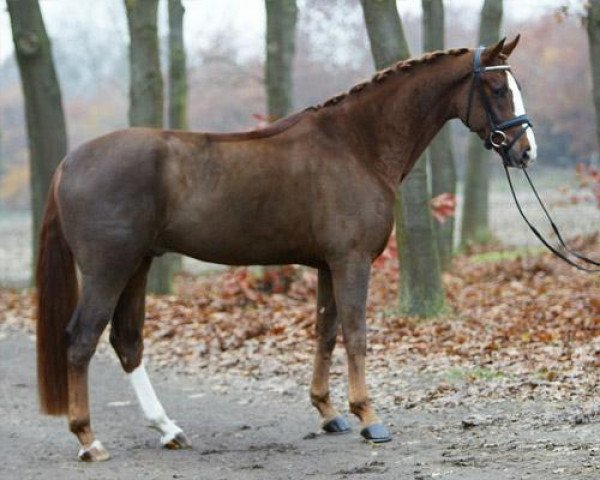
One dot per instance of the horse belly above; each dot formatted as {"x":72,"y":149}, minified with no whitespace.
{"x":240,"y":237}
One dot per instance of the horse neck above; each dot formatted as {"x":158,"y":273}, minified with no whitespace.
{"x":393,"y":121}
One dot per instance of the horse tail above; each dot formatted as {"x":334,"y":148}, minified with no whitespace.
{"x":57,"y":292}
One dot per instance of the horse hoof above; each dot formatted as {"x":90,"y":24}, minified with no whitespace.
{"x":376,"y":433}
{"x":337,"y":424}
{"x":94,"y":453}
{"x":177,"y":442}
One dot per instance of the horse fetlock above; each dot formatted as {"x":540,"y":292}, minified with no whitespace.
{"x":319,"y":398}
{"x":364,"y":411}
{"x":79,"y":425}
{"x":322,"y":403}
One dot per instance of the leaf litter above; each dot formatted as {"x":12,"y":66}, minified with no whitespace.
{"x":518,"y":326}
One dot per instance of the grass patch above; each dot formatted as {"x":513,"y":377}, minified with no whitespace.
{"x":504,"y":255}
{"x":477,"y":373}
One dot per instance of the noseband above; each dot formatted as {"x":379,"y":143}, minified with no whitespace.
{"x":497,"y":137}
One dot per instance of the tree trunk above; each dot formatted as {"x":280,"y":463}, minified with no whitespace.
{"x":146,"y":99}
{"x":177,"y":117}
{"x":46,"y":128}
{"x":475,"y":214}
{"x":280,"y":47}
{"x":441,"y":159}
{"x":421,"y":291}
{"x":593,"y":29}
{"x":177,"y":68}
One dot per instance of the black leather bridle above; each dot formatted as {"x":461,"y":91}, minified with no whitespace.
{"x":497,"y":139}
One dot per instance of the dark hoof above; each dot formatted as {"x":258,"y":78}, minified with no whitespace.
{"x":337,"y":425}
{"x":179,"y":441}
{"x":376,"y":433}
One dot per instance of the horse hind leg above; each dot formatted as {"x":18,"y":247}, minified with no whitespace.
{"x":126,"y":337}
{"x":98,"y":298}
{"x":326,"y":330}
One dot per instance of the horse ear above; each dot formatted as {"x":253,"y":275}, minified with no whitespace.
{"x":492,"y":52}
{"x":510,"y":46}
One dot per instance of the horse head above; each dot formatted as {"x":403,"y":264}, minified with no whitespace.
{"x":493,"y":105}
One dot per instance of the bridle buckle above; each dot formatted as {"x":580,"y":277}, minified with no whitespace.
{"x":498,"y":139}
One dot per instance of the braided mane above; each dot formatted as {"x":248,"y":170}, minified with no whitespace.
{"x":402,"y":66}
{"x":284,"y":124}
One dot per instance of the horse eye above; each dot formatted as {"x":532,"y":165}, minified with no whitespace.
{"x":499,"y":92}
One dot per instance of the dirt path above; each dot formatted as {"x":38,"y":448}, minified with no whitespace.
{"x":251,"y":430}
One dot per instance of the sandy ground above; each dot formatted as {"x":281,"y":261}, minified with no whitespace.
{"x":251,"y":430}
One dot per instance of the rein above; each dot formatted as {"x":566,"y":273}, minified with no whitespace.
{"x":498,"y":140}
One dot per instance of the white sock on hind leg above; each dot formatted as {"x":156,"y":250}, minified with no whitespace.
{"x":151,"y":406}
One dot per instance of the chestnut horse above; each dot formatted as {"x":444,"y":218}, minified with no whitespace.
{"x":316,"y":188}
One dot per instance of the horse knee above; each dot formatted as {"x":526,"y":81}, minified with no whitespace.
{"x":355,"y":346}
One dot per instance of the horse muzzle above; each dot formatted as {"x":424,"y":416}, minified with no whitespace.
{"x":511,"y":156}
{"x":514,"y":158}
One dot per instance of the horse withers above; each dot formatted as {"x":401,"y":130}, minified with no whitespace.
{"x":316,"y":189}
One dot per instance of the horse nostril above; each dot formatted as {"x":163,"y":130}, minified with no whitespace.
{"x":526,"y":153}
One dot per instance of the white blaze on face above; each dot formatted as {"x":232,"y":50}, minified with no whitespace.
{"x":520,"y":110}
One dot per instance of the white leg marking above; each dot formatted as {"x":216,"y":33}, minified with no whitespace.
{"x":96,"y":444}
{"x":153,"y":410}
{"x":520,"y":110}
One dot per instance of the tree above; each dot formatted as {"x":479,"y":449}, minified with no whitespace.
{"x":177,"y":68}
{"x":280,"y":47}
{"x":441,"y":159}
{"x":146,"y":100}
{"x":46,"y":128}
{"x":593,"y":30}
{"x":475,"y":215}
{"x":177,"y":117}
{"x":421,"y":291}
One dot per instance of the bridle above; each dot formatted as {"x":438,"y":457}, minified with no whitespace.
{"x":497,"y":139}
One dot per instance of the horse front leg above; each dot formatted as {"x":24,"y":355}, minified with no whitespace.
{"x":351,"y":284}
{"x":326,"y":330}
